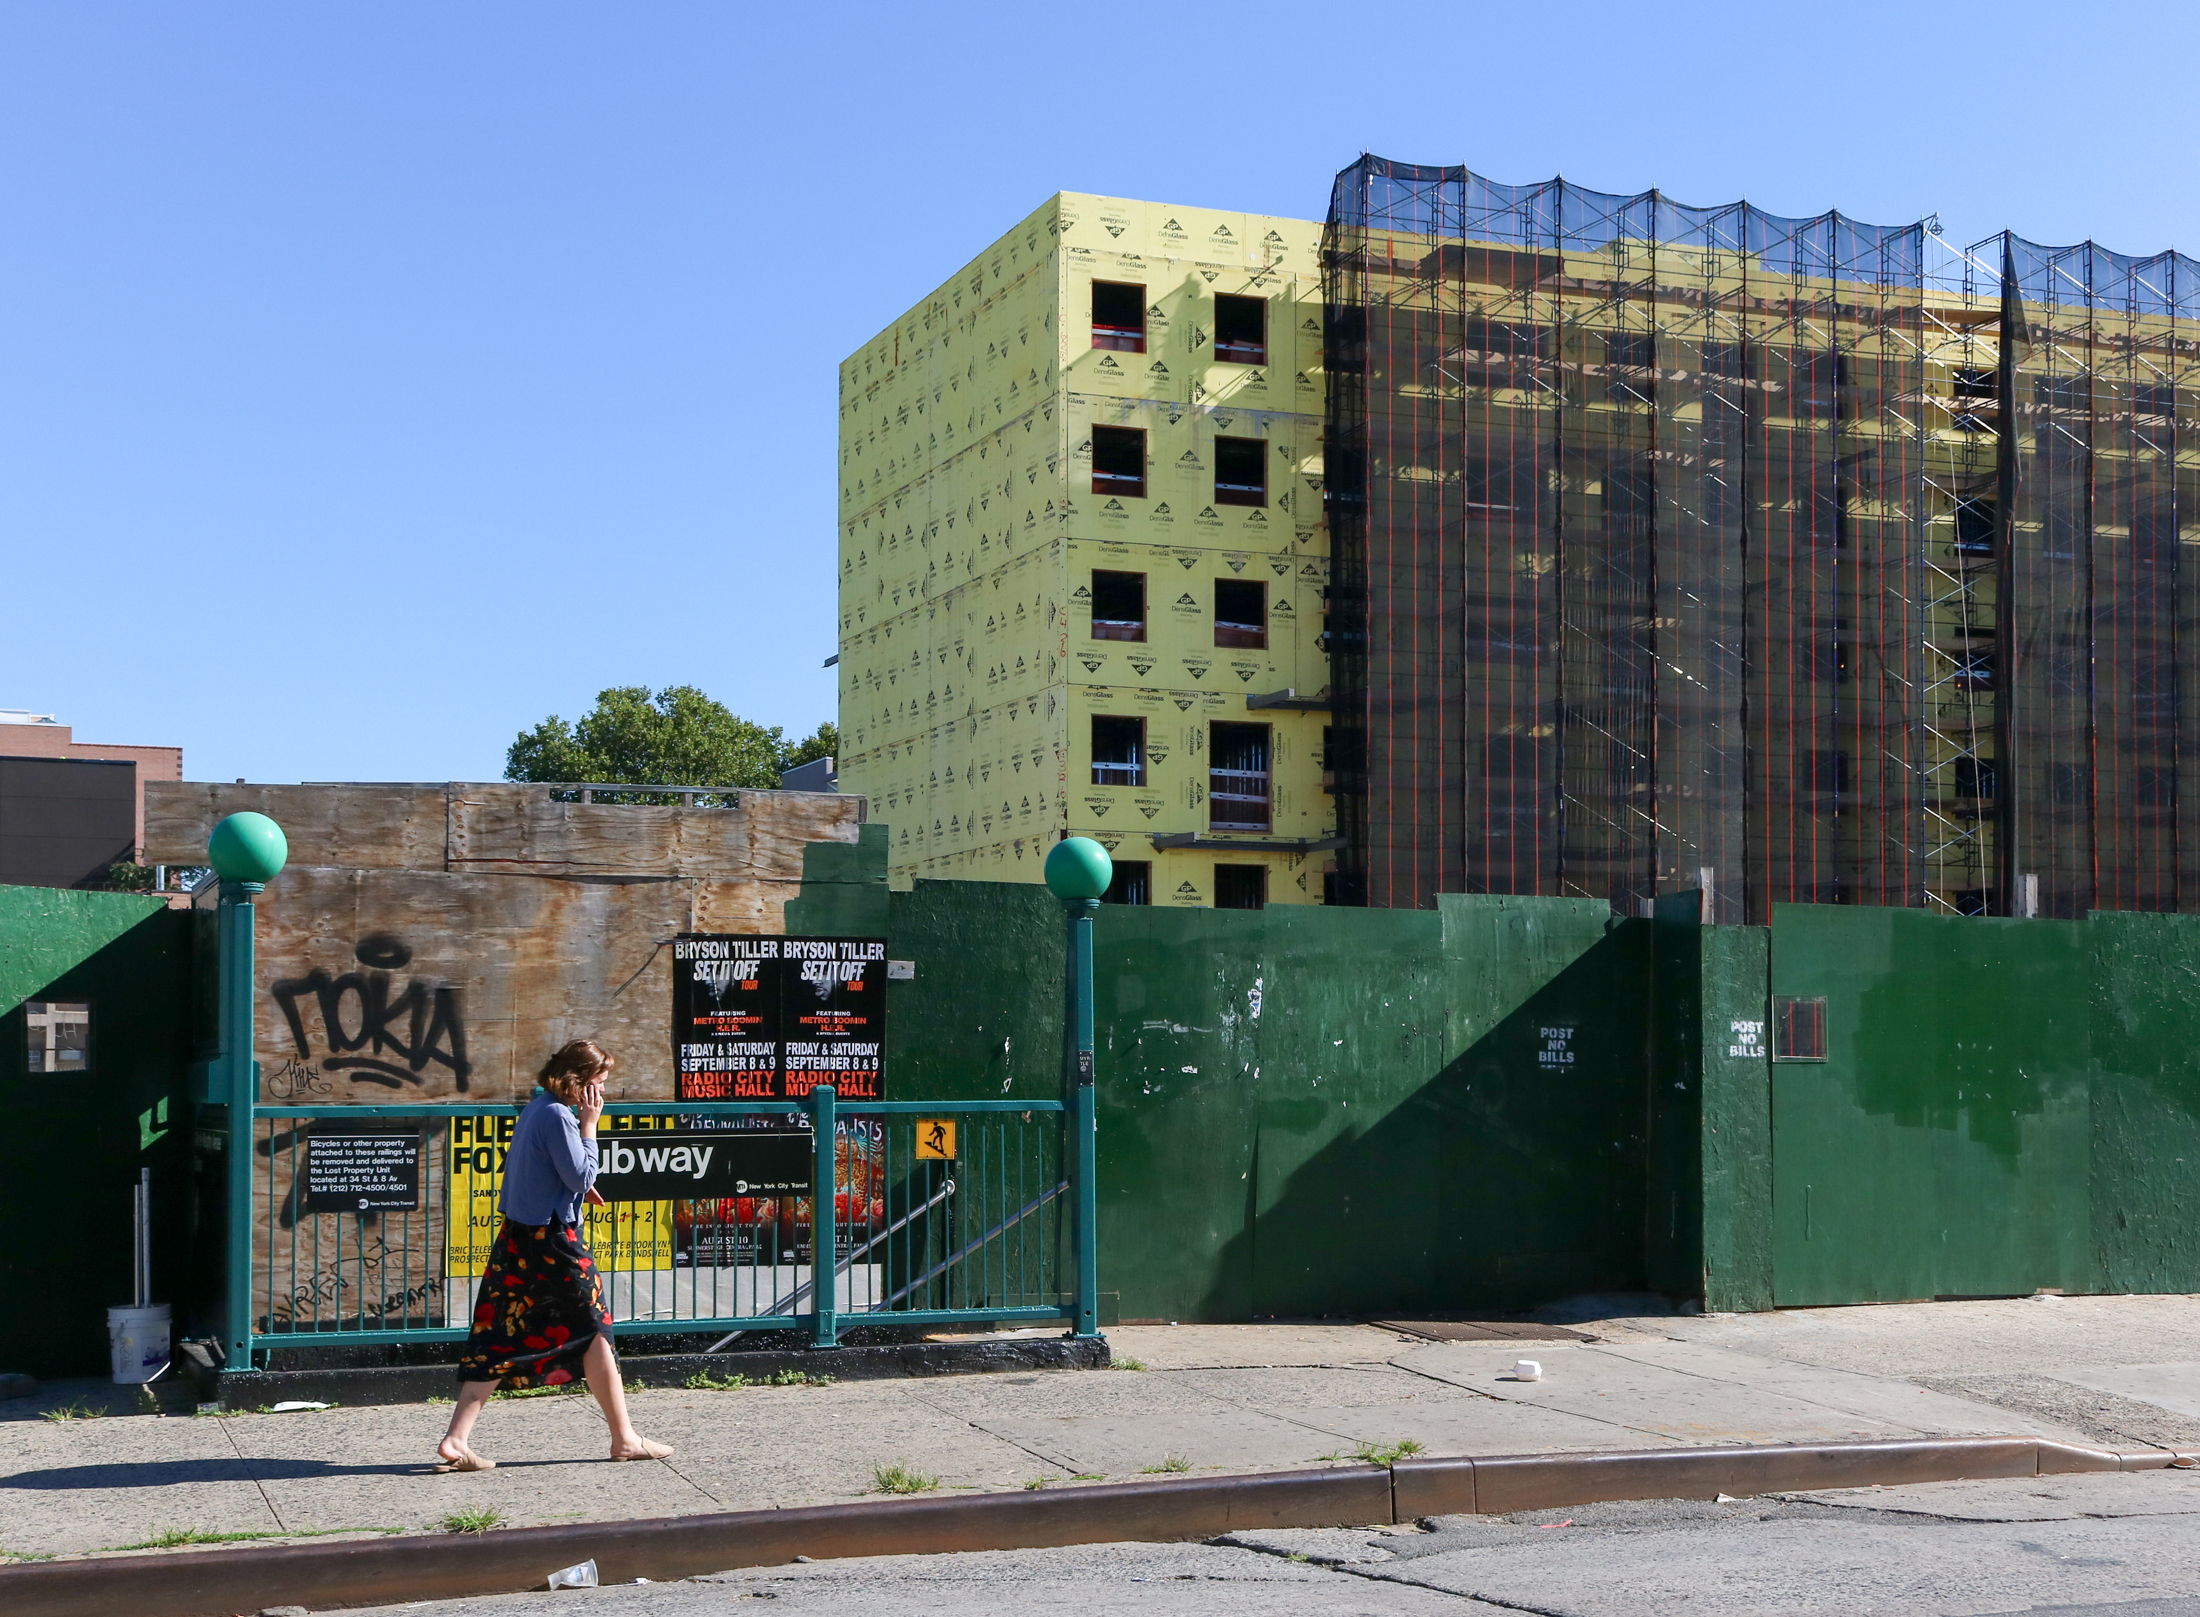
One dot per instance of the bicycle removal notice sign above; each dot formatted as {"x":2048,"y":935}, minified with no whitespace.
{"x":772,"y":1018}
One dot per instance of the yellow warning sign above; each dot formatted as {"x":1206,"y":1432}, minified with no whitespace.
{"x":935,"y":1139}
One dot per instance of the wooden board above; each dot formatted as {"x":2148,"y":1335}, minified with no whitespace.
{"x":390,"y":985}
{"x":437,"y":942}
{"x":506,"y":828}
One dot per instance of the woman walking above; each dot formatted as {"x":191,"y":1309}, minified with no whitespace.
{"x":539,"y":1318}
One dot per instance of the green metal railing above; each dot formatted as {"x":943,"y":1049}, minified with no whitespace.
{"x":999,"y":1226}
{"x":916,"y":1239}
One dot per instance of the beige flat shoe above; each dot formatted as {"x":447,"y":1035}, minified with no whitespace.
{"x":467,"y":1460}
{"x":648,"y":1451}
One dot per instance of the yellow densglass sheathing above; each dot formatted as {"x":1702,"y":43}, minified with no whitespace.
{"x":969,"y":531}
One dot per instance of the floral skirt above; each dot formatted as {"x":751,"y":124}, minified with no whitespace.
{"x":539,"y":1307}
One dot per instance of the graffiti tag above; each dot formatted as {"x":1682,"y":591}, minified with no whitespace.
{"x":376,"y":1035}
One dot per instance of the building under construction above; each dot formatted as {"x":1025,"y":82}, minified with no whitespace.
{"x":1796,"y":560}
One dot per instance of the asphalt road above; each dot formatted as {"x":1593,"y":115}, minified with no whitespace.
{"x":2112,"y":1546}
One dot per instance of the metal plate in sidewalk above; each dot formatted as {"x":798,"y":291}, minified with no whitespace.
{"x":1482,"y":1330}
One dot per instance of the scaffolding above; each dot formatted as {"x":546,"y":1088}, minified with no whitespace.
{"x":2099,"y":356}
{"x":1791,"y":560}
{"x":1628,"y":508}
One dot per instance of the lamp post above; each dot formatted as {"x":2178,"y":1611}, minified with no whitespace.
{"x":1078,"y":871}
{"x":247,"y":851}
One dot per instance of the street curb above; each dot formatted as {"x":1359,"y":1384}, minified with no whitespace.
{"x":412,"y":1384}
{"x":440,"y":1567}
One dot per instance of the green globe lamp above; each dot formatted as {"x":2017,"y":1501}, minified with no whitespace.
{"x":248,"y":847}
{"x":1078,"y":868}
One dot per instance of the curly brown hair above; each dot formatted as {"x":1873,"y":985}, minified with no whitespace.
{"x":572,"y":1067}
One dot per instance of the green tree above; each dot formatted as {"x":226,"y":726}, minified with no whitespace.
{"x":677,"y":737}
{"x":824,"y":744}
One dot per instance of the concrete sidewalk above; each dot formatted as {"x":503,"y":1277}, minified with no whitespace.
{"x":2121,"y":1371}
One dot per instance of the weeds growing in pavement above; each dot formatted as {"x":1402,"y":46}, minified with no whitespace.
{"x":70,"y":1412}
{"x":1089,"y":1476}
{"x":902,"y":1478}
{"x":170,"y":1538}
{"x":565,"y":1391}
{"x":9,"y":1557}
{"x":1170,"y":1463}
{"x":1126,"y":1362}
{"x":1035,"y":1484}
{"x":477,"y":1520}
{"x":1385,"y":1453}
{"x":704,"y":1381}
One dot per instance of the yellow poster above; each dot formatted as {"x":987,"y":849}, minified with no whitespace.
{"x":622,"y":1235}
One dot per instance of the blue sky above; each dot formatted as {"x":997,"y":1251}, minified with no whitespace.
{"x":378,"y":379}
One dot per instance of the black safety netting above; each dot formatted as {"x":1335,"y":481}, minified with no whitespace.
{"x":1625,"y":508}
{"x":2100,"y":358}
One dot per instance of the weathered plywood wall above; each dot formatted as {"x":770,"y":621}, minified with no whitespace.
{"x":437,"y":942}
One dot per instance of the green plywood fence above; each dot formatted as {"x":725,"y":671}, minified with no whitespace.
{"x":2006,"y":1106}
{"x":1506,"y":1100}
{"x":2145,"y":1104}
{"x":74,"y":1144}
{"x":1941,"y":1148}
{"x":1707,"y":1216}
{"x":843,"y":887}
{"x":1315,"y":1110}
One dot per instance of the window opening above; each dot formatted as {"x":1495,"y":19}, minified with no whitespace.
{"x":1814,"y":382}
{"x":2154,"y":535}
{"x":1118,"y":751}
{"x":1241,"y":471}
{"x":1241,"y":887}
{"x":1730,"y":360}
{"x":1630,"y":359}
{"x":1119,"y":316}
{"x":1237,"y":777}
{"x":1118,"y":605}
{"x":1119,"y":461}
{"x":1133,"y":883}
{"x":1241,"y":613}
{"x":1975,"y":527}
{"x":60,"y":1036}
{"x":1798,"y":1028}
{"x":1976,"y":391}
{"x":2071,"y":395}
{"x":1241,"y":330}
{"x":1636,"y":349}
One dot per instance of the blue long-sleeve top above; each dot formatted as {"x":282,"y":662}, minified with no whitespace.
{"x":548,"y":1165}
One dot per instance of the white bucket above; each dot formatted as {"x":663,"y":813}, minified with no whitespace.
{"x":138,"y":1338}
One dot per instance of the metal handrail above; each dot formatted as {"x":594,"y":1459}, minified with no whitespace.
{"x":954,"y":1258}
{"x":788,"y":1303}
